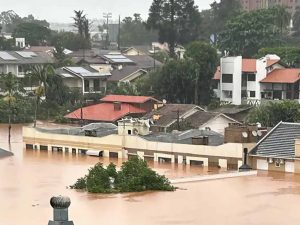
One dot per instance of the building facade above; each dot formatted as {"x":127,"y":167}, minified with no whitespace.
{"x":253,"y":81}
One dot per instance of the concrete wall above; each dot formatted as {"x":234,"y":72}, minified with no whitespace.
{"x":117,"y":143}
{"x":217,"y":124}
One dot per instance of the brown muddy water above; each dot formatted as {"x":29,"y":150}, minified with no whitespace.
{"x":29,"y":179}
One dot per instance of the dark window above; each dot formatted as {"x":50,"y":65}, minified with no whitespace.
{"x":251,"y":77}
{"x":227,"y":78}
{"x":252,"y":94}
{"x":129,"y":132}
{"x":86,"y":86}
{"x":96,"y":85}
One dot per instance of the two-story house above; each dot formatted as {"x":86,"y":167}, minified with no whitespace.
{"x":251,"y":81}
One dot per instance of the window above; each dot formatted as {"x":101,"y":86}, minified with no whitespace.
{"x":227,"y":78}
{"x":86,"y":86}
{"x":227,"y":94}
{"x":277,"y":163}
{"x":96,"y":85}
{"x":129,"y":132}
{"x":252,"y":94}
{"x":251,"y":77}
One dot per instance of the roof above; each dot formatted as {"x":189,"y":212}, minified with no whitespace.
{"x":202,"y":117}
{"x":127,"y":99}
{"x":271,"y":62}
{"x":237,"y":112}
{"x":185,"y":137}
{"x":249,"y":65}
{"x":4,"y":153}
{"x":118,"y":59}
{"x":217,"y":75}
{"x":289,"y":76}
{"x":119,"y":74}
{"x":168,"y":113}
{"x":279,"y":142}
{"x":24,"y":58}
{"x":40,"y":48}
{"x":104,"y":112}
{"x":89,"y":60}
{"x":144,"y":61}
{"x":77,"y":71}
{"x":144,"y":49}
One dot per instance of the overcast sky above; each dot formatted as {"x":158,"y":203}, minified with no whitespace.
{"x":62,"y":10}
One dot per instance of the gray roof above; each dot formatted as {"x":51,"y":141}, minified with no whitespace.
{"x":4,"y":153}
{"x":117,"y":75}
{"x":77,"y":71}
{"x":279,"y":142}
{"x":144,"y":61}
{"x":185,"y":137}
{"x":16,"y":58}
{"x":168,"y":113}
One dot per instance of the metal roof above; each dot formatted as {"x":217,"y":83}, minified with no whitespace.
{"x":280,"y":142}
{"x":26,"y":54}
{"x":6,"y":56}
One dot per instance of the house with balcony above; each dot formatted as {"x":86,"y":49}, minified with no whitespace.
{"x":252,"y":81}
{"x":85,"y":79}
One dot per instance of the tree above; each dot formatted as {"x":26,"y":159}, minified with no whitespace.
{"x":296,"y":22}
{"x":33,"y":33}
{"x":83,"y":27}
{"x":10,"y":87}
{"x":177,"y":21}
{"x":247,"y":33}
{"x":271,"y":114}
{"x":41,"y":74}
{"x":39,"y":93}
{"x":133,"y":32}
{"x":205,"y":60}
{"x":288,"y":55}
{"x":70,"y":41}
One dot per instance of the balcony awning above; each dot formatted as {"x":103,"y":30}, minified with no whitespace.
{"x":285,"y":76}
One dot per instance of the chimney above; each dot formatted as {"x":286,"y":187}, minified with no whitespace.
{"x":117,"y":106}
{"x":60,"y":207}
{"x":245,"y":166}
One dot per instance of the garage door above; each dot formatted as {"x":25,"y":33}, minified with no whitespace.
{"x":289,"y":167}
{"x":262,"y":164}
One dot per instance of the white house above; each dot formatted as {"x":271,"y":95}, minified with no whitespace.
{"x":239,"y":81}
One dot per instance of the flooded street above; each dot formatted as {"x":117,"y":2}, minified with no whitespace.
{"x":29,"y":179}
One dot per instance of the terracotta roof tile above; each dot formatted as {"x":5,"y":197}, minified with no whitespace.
{"x":283,"y":76}
{"x":249,"y":65}
{"x":104,"y":112}
{"x":271,"y":62}
{"x":127,"y":99}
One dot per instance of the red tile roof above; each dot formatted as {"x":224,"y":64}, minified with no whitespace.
{"x":283,"y":76}
{"x":271,"y":62}
{"x":217,"y":75}
{"x":127,"y":99}
{"x":249,"y":65}
{"x":104,"y":112}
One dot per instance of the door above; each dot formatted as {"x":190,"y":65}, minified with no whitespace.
{"x":262,"y":164}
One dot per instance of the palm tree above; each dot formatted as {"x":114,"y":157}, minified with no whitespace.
{"x":41,"y":74}
{"x":10,"y":87}
{"x":79,"y":21}
{"x":39,"y":93}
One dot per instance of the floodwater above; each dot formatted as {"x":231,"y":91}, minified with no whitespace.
{"x":29,"y":179}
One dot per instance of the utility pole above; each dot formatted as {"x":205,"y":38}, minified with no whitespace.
{"x":107,"y":16}
{"x":119,"y":34}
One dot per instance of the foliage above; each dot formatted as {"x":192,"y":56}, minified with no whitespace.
{"x":133,"y":32}
{"x":205,"y":60}
{"x":7,"y":44}
{"x":177,"y":21}
{"x":195,"y":72}
{"x":83,"y":25}
{"x":34,"y":34}
{"x":122,"y":88}
{"x":247,"y":33}
{"x":214,"y":19}
{"x":272,"y":113}
{"x":296,"y":21}
{"x":61,"y":59}
{"x":70,"y":40}
{"x":288,"y":55}
{"x":134,"y":176}
{"x":161,"y":56}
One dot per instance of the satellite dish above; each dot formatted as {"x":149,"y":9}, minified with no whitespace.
{"x":135,"y":131}
{"x":245,"y":134}
{"x":254,"y":133}
{"x":258,"y":125}
{"x":164,"y":101}
{"x":259,"y":133}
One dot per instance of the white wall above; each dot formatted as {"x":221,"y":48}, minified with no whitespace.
{"x":217,"y":124}
{"x":232,"y":65}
